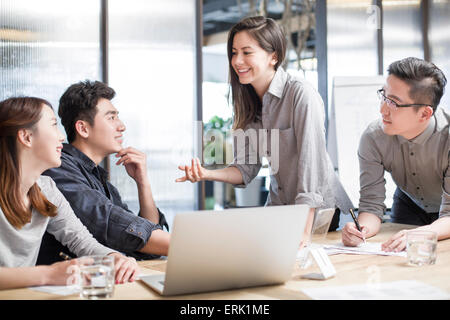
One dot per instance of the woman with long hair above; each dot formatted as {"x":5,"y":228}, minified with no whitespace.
{"x":30,"y":204}
{"x":284,"y":112}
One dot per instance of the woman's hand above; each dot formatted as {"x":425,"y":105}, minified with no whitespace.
{"x":194,"y":173}
{"x":66,"y":272}
{"x":62,"y":273}
{"x":126,"y":268}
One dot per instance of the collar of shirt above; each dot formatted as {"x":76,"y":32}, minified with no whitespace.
{"x":279,"y":80}
{"x":424,"y":136}
{"x":83,"y":159}
{"x":442,"y":119}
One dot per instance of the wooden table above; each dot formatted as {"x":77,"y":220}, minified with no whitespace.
{"x":351,"y":269}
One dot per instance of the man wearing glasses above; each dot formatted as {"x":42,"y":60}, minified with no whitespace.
{"x":411,"y":141}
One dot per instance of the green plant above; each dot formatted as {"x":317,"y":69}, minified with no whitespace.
{"x":217,"y":122}
{"x":223,"y":126}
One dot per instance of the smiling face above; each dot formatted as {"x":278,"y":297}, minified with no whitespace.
{"x":407,"y":122}
{"x":47,"y":139}
{"x":106,"y":135}
{"x":252,"y":64}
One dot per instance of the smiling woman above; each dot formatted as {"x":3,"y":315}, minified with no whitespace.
{"x":269,"y":104}
{"x":30,"y":204}
{"x":27,"y":118}
{"x":256,"y":48}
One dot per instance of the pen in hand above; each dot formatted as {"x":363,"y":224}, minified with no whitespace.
{"x":357,"y":223}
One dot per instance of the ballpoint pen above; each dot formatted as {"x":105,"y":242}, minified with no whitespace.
{"x":357,"y":223}
{"x":64,"y":256}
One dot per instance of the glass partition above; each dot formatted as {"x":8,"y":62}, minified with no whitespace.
{"x":152,"y":70}
{"x":402,"y":37}
{"x":351,"y":39}
{"x":439,"y":38}
{"x":47,"y":45}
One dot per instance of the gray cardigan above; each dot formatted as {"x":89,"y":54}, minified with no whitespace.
{"x":20,"y":247}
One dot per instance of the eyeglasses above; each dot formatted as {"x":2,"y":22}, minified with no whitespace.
{"x":394,"y":105}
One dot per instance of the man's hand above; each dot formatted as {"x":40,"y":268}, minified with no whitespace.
{"x":396,"y":243}
{"x":135,"y":163}
{"x":351,"y":236}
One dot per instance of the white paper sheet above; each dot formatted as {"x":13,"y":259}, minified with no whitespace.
{"x":372,"y":248}
{"x":368,"y":248}
{"x":397,"y":290}
{"x":59,"y":290}
{"x":63,"y":290}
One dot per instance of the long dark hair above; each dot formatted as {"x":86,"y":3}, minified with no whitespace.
{"x":271,"y":38}
{"x":16,"y":114}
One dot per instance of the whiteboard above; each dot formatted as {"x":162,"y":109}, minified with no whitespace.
{"x":354,"y":105}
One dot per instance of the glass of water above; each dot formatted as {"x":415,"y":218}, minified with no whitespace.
{"x":421,"y":247}
{"x":97,"y":277}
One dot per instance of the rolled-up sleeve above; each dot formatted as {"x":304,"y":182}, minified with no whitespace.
{"x":246,"y":158}
{"x":371,"y":177}
{"x":162,"y":220}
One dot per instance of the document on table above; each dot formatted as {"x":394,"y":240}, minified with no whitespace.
{"x":63,"y":290}
{"x":59,"y":290}
{"x":373,"y":248}
{"x":396,"y":290}
{"x":369,"y":248}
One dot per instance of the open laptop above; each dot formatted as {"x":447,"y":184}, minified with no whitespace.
{"x":235,"y":248}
